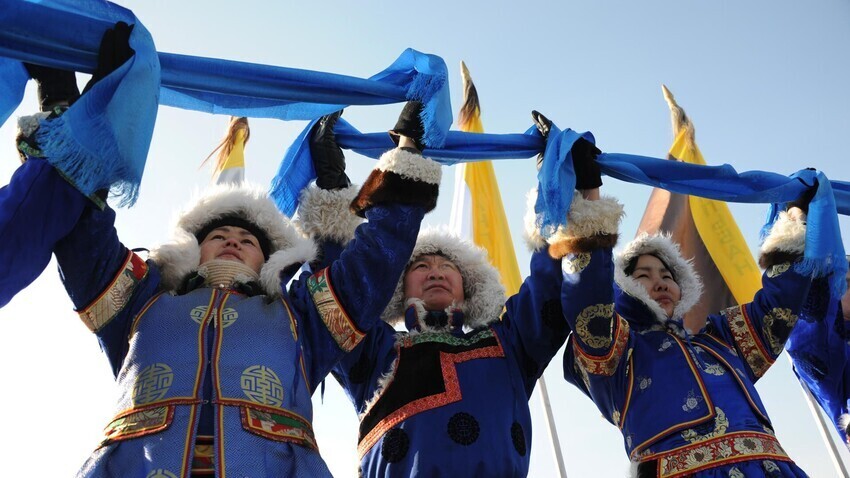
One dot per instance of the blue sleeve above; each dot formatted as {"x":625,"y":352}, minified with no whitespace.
{"x":340,"y":303}
{"x":360,"y":371}
{"x":819,"y":349}
{"x":37,"y":208}
{"x":533,"y":323}
{"x":758,"y":330}
{"x":596,"y":357}
{"x":107,"y":283}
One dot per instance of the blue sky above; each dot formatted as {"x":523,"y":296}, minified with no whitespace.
{"x":765,"y":83}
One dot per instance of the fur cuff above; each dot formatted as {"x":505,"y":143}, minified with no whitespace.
{"x":590,"y":225}
{"x":300,"y":253}
{"x":324,"y":214}
{"x":785,"y":243}
{"x":533,"y":240}
{"x":401,"y":177}
{"x":844,"y":423}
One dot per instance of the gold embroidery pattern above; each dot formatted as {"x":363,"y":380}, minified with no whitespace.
{"x":721,"y":424}
{"x":279,"y":427}
{"x":714,"y":452}
{"x":601,"y":313}
{"x":691,"y":401}
{"x":776,"y":270}
{"x":575,"y":263}
{"x":113,"y":299}
{"x":777,"y":342}
{"x":228,"y":315}
{"x":748,"y":343}
{"x":152,"y":383}
{"x":261,"y":385}
{"x":605,"y":365}
{"x":138,"y":424}
{"x":337,"y":321}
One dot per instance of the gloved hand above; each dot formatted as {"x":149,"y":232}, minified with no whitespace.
{"x":410,"y":124}
{"x":588,"y":175}
{"x":543,"y":126}
{"x":328,"y":160}
{"x":584,"y":153}
{"x":55,"y":87}
{"x":114,"y":51}
{"x":803,"y":201}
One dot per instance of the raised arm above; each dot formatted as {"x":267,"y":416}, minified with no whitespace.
{"x":759,"y":329}
{"x":345,"y":299}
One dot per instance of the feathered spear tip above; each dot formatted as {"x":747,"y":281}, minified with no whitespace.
{"x":470,"y":113}
{"x":230,"y":162}
{"x":681,"y":121}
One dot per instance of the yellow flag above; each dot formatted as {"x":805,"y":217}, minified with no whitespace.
{"x":713,"y":220}
{"x":486,"y":212}
{"x":230,"y":165}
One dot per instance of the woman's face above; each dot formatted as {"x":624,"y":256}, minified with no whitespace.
{"x":658,"y":281}
{"x":435,"y":280}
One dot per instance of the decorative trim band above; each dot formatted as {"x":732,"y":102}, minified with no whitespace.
{"x":339,"y":324}
{"x":113,"y":299}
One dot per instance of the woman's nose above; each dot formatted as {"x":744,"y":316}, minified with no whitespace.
{"x":435,"y":273}
{"x":660,"y":284}
{"x":232,"y":242}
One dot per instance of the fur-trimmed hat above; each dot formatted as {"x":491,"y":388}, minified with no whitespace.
{"x":662,"y":247}
{"x":484,"y":294}
{"x":287,"y":247}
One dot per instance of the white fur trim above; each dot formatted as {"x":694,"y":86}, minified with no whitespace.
{"x":484,"y":294}
{"x":304,"y":251}
{"x":181,"y":256}
{"x":590,"y":218}
{"x":410,"y":165}
{"x":683,"y":271}
{"x":27,"y":125}
{"x":844,"y":422}
{"x":786,"y":235}
{"x":325,"y":213}
{"x":176,"y":259}
{"x":533,"y":240}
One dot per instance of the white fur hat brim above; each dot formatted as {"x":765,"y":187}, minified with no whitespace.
{"x":180,"y":257}
{"x":484,"y":294}
{"x":662,"y":246}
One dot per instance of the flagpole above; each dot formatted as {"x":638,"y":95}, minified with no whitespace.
{"x":823,"y":428}
{"x":553,"y":431}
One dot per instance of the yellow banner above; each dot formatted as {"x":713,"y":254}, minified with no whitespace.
{"x":720,"y":233}
{"x":489,"y":223}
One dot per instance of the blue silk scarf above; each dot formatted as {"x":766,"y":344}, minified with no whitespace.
{"x":107,"y":133}
{"x":824,"y":249}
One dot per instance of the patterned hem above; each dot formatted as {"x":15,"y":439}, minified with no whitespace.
{"x":723,"y":450}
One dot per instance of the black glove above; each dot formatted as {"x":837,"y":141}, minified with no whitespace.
{"x":55,"y":87}
{"x":803,"y":201}
{"x":328,"y":160}
{"x":588,"y":175}
{"x":114,"y":51}
{"x":584,"y":153}
{"x":410,"y":124}
{"x":543,"y":126}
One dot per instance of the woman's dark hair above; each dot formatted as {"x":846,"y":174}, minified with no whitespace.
{"x":632,"y":264}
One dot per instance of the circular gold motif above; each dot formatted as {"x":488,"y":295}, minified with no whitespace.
{"x":160,"y":473}
{"x":778,"y":269}
{"x":152,"y":383}
{"x":601,"y":314}
{"x":575,"y":263}
{"x":261,"y":385}
{"x":228,"y":315}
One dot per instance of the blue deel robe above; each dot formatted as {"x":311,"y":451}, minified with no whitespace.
{"x":695,"y":395}
{"x":455,"y":403}
{"x":253,"y":361}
